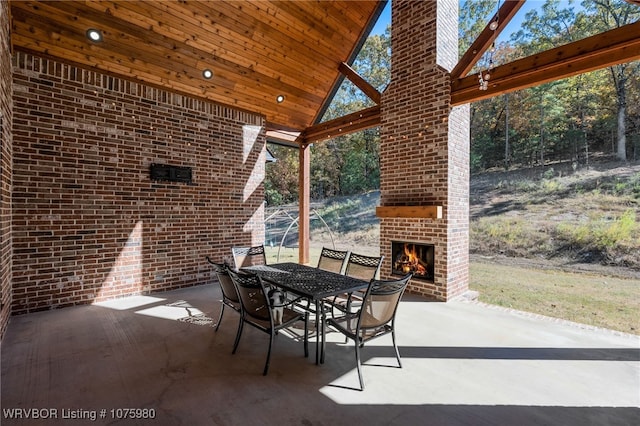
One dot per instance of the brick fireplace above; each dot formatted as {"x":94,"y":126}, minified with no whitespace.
{"x":424,"y":148}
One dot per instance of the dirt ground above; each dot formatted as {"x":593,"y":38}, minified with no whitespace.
{"x":558,"y":195}
{"x":491,"y":193}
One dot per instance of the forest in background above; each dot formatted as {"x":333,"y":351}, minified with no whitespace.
{"x":571,"y":120}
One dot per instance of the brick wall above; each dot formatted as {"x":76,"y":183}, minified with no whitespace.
{"x":88,"y":223}
{"x":5,"y":168}
{"x":424,"y":147}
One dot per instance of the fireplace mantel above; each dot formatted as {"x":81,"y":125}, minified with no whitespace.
{"x":431,"y":212}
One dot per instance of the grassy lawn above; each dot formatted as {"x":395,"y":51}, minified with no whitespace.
{"x":596,"y":300}
{"x":600,"y":301}
{"x":286,"y":254}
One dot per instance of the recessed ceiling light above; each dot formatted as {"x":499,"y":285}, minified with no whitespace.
{"x":207,"y":73}
{"x":280,"y":99}
{"x":94,"y":35}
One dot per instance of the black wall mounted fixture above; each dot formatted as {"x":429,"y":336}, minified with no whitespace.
{"x":165,"y":172}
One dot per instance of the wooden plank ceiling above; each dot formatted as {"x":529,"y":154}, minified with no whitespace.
{"x":257,"y":50}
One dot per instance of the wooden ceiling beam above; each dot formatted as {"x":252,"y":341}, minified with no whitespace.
{"x":350,"y":123}
{"x":612,"y":47}
{"x":486,"y":38}
{"x":283,"y":137}
{"x":360,"y":82}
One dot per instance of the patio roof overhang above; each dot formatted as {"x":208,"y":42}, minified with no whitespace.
{"x":260,"y":50}
{"x":256,"y":50}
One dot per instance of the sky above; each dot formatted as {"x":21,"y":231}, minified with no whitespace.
{"x":512,"y":27}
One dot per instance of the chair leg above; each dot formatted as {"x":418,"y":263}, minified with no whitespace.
{"x":238,"y":334}
{"x":393,"y":339}
{"x":306,"y":334}
{"x":348,"y":307}
{"x":357,"y":344}
{"x":333,"y":309}
{"x":266,"y":364}
{"x":220,"y":317}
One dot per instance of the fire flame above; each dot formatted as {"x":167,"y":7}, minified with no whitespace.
{"x":413,"y":261}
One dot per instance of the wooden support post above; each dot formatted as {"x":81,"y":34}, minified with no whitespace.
{"x":304,"y":190}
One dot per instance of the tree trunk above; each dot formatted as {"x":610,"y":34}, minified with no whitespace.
{"x":541,"y":132}
{"x":622,"y":113}
{"x":507,"y":160}
{"x":586,"y":140}
{"x":618,"y":73}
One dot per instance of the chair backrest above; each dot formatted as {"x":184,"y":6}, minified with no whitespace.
{"x":226,"y":285}
{"x":381,"y":301}
{"x":332,"y":260}
{"x":252,"y":294}
{"x":248,"y":256}
{"x":363,"y":267}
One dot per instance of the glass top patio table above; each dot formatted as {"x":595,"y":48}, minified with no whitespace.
{"x":311,"y":283}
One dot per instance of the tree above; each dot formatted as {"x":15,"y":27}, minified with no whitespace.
{"x":560,"y":26}
{"x":350,"y":164}
{"x":281,"y":177}
{"x":344,"y":165}
{"x":559,"y":120}
{"x":473,"y":17}
{"x":605,"y":15}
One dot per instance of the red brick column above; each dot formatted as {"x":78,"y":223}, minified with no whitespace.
{"x":424,"y":148}
{"x":6,"y":159}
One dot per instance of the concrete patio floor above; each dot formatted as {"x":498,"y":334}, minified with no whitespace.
{"x":464,"y":363}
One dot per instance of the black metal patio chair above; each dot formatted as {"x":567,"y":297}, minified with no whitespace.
{"x":375,"y":318}
{"x":229,"y":294}
{"x":259,"y":312}
{"x":332,"y":260}
{"x":248,"y":256}
{"x":362,"y":267}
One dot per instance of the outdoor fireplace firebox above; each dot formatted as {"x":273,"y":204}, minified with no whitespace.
{"x":412,"y":257}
